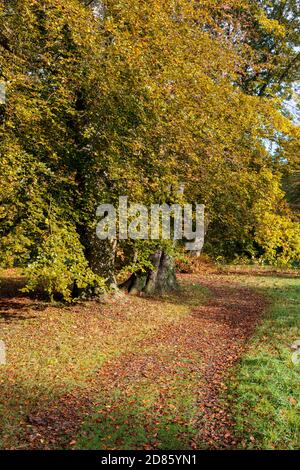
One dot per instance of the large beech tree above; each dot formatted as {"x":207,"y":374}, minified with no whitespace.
{"x":133,"y":98}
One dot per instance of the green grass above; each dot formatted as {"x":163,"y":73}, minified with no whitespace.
{"x":145,"y":415}
{"x":54,"y":350}
{"x":265,"y":389}
{"x":157,"y":411}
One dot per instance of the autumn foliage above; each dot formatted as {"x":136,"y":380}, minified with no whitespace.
{"x":133,"y":98}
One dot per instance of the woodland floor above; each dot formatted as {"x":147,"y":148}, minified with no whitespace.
{"x":175,"y":372}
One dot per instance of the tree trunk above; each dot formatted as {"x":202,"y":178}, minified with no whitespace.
{"x":162,"y":278}
{"x":101,"y":257}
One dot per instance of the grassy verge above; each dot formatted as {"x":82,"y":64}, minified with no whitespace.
{"x":265,"y":388}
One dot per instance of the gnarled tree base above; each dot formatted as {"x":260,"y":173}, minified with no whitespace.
{"x":158,"y":280}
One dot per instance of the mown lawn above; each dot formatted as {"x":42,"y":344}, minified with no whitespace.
{"x":128,"y":371}
{"x":55,"y":352}
{"x":265,"y":388}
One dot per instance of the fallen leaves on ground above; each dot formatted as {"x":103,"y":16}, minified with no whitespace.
{"x":153,"y":369}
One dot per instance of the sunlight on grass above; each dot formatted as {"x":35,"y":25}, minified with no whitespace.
{"x":56,"y":349}
{"x":146,"y":415}
{"x":150,"y":401}
{"x":265,"y":390}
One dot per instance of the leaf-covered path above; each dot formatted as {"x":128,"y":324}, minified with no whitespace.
{"x":230,"y":319}
{"x":163,"y":390}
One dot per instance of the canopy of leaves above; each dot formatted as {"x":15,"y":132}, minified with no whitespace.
{"x":133,"y":98}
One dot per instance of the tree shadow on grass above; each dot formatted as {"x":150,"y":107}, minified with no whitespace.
{"x":11,"y":285}
{"x":33,"y":416}
{"x":14,"y":304}
{"x":14,"y":311}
